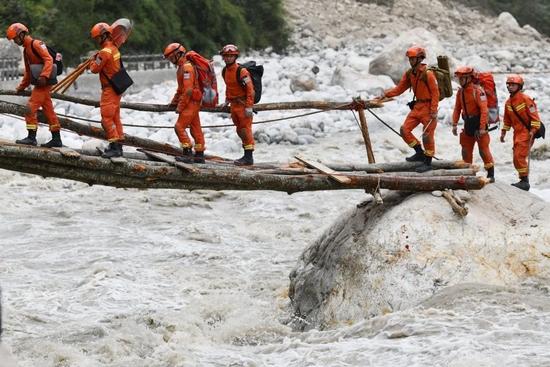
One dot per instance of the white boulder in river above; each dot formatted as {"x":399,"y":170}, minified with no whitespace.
{"x":380,"y":259}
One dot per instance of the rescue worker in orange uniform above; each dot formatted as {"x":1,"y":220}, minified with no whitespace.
{"x":187,"y":101}
{"x":106,"y":63}
{"x":36,"y":52}
{"x":520,"y":112}
{"x":240,"y":97}
{"x":471,"y":102}
{"x":423,"y":107}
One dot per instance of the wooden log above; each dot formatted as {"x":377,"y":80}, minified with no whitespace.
{"x":366,"y":136}
{"x":170,"y":160}
{"x":398,"y":166}
{"x":95,"y":132}
{"x":95,"y":170}
{"x":455,"y":205}
{"x":324,"y":169}
{"x":300,"y":105}
{"x":432,"y":173}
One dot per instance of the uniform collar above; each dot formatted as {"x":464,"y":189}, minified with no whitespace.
{"x":27,"y":41}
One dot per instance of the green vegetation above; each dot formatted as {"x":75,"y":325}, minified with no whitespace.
{"x":204,"y":25}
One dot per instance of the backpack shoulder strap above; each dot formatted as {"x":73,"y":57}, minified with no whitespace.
{"x":239,"y":77}
{"x":223,"y":72}
{"x":519,"y":117}
{"x":464,"y":102}
{"x":34,"y":50}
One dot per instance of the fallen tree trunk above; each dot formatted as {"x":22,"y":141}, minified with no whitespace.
{"x":94,"y":132}
{"x":299,"y":105}
{"x":95,"y":170}
{"x":399,"y":166}
{"x":294,"y":168}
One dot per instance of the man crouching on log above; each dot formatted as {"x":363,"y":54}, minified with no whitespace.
{"x":35,"y":54}
{"x":423,"y":107}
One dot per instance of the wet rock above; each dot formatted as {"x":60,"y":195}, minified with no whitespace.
{"x":377,"y":259}
{"x":302,"y":83}
{"x":393,"y":62}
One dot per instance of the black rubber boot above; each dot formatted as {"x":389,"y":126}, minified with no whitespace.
{"x":426,"y":165}
{"x":55,"y":142}
{"x":114,"y":150}
{"x":246,"y":159}
{"x":187,"y":156}
{"x":418,"y":156}
{"x":199,"y":157}
{"x":523,"y":183}
{"x":491,"y":174}
{"x":29,"y":140}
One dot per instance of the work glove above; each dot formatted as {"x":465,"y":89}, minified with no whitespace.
{"x":223,"y":105}
{"x":502,"y":135}
{"x":455,"y":130}
{"x":19,"y":90}
{"x":433,"y":116}
{"x":178,"y":109}
{"x":42,"y":81}
{"x":249,"y":112}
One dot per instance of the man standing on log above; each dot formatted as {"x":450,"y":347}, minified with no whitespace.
{"x":239,"y":93}
{"x":520,"y":112}
{"x":423,"y":107}
{"x":472,"y":102}
{"x":187,"y":101}
{"x":36,"y":54}
{"x":107,"y":63}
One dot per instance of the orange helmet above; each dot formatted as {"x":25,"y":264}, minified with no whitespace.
{"x":416,"y":51}
{"x":14,"y":30}
{"x":173,"y":47}
{"x":229,"y":50}
{"x":514,"y":79}
{"x":465,"y":71}
{"x":100,"y":29}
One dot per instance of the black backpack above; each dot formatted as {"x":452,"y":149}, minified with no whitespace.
{"x":56,"y":56}
{"x":256,"y":73}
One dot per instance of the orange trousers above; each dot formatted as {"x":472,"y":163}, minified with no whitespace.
{"x":521,"y":155}
{"x":468,"y":142}
{"x":420,"y":115}
{"x":189,"y":117}
{"x":243,"y":125}
{"x":110,"y":114}
{"x":40,"y":97}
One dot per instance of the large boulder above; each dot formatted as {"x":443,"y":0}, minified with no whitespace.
{"x":357,"y":82}
{"x":393,"y":62}
{"x":380,"y":259}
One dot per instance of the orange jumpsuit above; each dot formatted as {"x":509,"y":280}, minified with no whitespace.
{"x":40,"y":96}
{"x":427,"y":100}
{"x":476,"y":105}
{"x":527,"y":110}
{"x":107,"y":63}
{"x":188,"y":99}
{"x":240,"y":97}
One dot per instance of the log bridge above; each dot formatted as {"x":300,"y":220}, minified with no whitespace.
{"x":154,"y":166}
